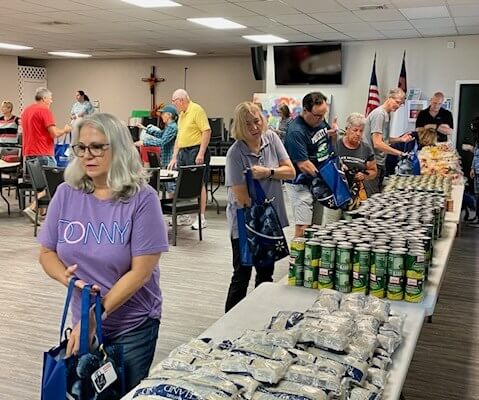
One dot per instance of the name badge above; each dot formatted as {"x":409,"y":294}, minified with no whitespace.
{"x":104,"y":377}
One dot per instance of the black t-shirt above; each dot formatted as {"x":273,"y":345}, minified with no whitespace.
{"x":355,"y":159}
{"x":443,"y":117}
{"x":303,"y":142}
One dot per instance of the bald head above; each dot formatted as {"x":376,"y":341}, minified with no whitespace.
{"x":180,"y":99}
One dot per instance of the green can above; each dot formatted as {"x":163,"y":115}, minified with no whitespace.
{"x":377,"y":285}
{"x":292,"y":274}
{"x":328,"y":255}
{"x":299,"y":275}
{"x":311,"y":277}
{"x":325,"y":278}
{"x":415,"y":263}
{"x":344,"y":259}
{"x":343,"y":281}
{"x":414,"y":291}
{"x":396,"y":262}
{"x":361,"y":260}
{"x":297,"y":251}
{"x":309,"y":233}
{"x":379,"y":261}
{"x":395,"y":287}
{"x":312,"y":253}
{"x":360,"y":282}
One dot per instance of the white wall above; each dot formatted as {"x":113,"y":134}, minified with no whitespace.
{"x":9,"y":81}
{"x":218,"y":84}
{"x":430,"y":65}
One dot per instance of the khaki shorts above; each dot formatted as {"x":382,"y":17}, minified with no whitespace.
{"x":301,"y":201}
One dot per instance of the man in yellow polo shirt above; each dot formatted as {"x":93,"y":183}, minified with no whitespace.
{"x":191,"y":145}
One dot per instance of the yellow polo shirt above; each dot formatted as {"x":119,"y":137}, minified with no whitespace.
{"x":191,"y":124}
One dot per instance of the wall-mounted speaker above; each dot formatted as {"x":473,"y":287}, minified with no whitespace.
{"x":258,"y":57}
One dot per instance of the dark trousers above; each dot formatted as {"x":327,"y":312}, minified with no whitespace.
{"x":241,"y":277}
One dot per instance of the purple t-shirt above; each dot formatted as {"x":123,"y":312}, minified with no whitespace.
{"x":101,"y":237}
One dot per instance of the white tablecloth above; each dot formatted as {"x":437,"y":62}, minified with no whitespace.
{"x":455,"y":214}
{"x":218,"y":161}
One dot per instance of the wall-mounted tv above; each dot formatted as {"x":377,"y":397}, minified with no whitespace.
{"x":303,"y":64}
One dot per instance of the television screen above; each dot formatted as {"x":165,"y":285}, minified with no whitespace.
{"x":308,"y":64}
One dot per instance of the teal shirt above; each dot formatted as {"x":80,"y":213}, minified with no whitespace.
{"x":165,"y":139}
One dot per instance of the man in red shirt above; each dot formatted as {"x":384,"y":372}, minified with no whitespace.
{"x":39,"y":132}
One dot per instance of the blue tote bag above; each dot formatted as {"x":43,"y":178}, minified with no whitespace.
{"x":261,"y":236}
{"x":82,"y":376}
{"x":62,"y":153}
{"x":337,"y":182}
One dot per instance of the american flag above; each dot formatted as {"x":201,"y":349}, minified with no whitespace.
{"x":402,"y":83}
{"x":373,"y":95}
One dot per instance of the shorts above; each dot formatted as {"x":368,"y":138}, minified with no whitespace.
{"x":187,"y":156}
{"x":301,"y":202}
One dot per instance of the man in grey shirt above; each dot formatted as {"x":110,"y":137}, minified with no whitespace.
{"x":376,"y":133}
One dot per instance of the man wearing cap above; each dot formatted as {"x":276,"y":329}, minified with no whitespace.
{"x":191,"y":145}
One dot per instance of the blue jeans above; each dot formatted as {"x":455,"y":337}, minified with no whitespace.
{"x":138,"y":351}
{"x":45,"y":161}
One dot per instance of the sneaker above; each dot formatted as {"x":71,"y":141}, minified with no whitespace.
{"x":196,"y":225}
{"x":30,"y":214}
{"x":183,"y":220}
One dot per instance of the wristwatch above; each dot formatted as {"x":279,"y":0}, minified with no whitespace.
{"x":271,"y":173}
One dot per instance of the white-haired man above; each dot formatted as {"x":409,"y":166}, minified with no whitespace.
{"x":191,"y":145}
{"x":436,"y":117}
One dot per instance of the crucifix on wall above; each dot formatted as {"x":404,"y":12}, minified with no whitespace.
{"x":152,"y":81}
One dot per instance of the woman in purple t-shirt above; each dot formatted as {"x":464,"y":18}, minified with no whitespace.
{"x":105,"y":226}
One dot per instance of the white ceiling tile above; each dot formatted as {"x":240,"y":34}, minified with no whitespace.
{"x":106,"y":4}
{"x":416,"y":3}
{"x":366,"y":35}
{"x":11,"y":7}
{"x":468,"y":10}
{"x":403,"y":33}
{"x":106,"y":15}
{"x":299,"y":37}
{"x":332,"y":36}
{"x":336,"y":17}
{"x":468,"y":30}
{"x":279,"y":30}
{"x":353,"y":27}
{"x":312,"y":29}
{"x":454,"y":2}
{"x":425,"y":12}
{"x":223,"y":10}
{"x":179,"y":24}
{"x":432,"y":23}
{"x":184,"y":12}
{"x":355,"y":4}
{"x":466,"y":21}
{"x":269,"y":7}
{"x":380,"y":15}
{"x":140,"y":13}
{"x":312,"y":6}
{"x":257,"y":20}
{"x":294,"y":19}
{"x":437,"y":31}
{"x":392,"y":25}
{"x":64,"y":5}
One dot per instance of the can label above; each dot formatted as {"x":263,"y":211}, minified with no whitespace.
{"x":414,"y":292}
{"x":328,"y":255}
{"x":311,"y":254}
{"x":292,"y":275}
{"x":344,"y":260}
{"x":325,"y":278}
{"x":361,"y":261}
{"x":299,"y":275}
{"x":343,"y":281}
{"x":377,"y":285}
{"x":395,"y":261}
{"x":416,"y":261}
{"x":379,"y":263}
{"x":395,"y":288}
{"x":360,"y":282}
{"x":297,"y":251}
{"x":310,"y":277}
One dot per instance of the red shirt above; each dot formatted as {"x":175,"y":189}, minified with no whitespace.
{"x":36,"y":140}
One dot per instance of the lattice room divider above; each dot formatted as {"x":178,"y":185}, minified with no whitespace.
{"x":28,"y":77}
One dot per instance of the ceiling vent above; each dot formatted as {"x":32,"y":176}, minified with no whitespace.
{"x":369,"y":7}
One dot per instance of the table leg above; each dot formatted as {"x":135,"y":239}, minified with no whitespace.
{"x":3,"y":197}
{"x":213,"y":191}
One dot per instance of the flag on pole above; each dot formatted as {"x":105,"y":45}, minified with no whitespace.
{"x":402,"y":83}
{"x":373,"y":95}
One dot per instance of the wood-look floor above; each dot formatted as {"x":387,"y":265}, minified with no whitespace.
{"x":194,"y":279}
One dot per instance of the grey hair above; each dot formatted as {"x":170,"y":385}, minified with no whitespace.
{"x":355,"y":119}
{"x":126,"y":175}
{"x":41,"y":93}
{"x":438,"y":94}
{"x":181,"y":94}
{"x":396,"y":92}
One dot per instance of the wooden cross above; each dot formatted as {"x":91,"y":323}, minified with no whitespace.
{"x":152,"y":81}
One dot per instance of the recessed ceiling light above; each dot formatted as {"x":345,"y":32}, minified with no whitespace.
{"x":152,"y":3}
{"x":9,"y":46}
{"x":69,"y":54}
{"x":177,"y":52}
{"x":217,"y":23}
{"x":266,"y":39}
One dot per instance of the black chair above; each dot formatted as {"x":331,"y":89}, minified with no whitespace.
{"x":153,"y":159}
{"x":53,"y":178}
{"x":186,"y":199}
{"x":39,"y":184}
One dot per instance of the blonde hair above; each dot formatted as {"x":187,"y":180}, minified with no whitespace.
{"x":239,"y":129}
{"x":126,"y":175}
{"x":396,"y":93}
{"x":8,"y":104}
{"x":427,"y":136}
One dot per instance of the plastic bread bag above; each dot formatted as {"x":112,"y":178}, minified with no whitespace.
{"x":381,"y":352}
{"x":268,"y":371}
{"x":334,"y":340}
{"x":285,"y":320}
{"x":362,"y":346}
{"x":283,"y":338}
{"x":367,"y":323}
{"x":389,"y":341}
{"x":181,"y":362}
{"x":377,"y":308}
{"x":302,"y":357}
{"x":343,"y":314}
{"x":246,"y":384}
{"x":338,"y":323}
{"x":353,"y":303}
{"x":212,"y":377}
{"x":267,"y":351}
{"x":179,"y":389}
{"x":316,"y":312}
{"x":395,"y":323}
{"x":328,"y":299}
{"x":381,"y":362}
{"x":158,"y":372}
{"x":313,"y":377}
{"x":195,"y":347}
{"x":358,"y":393}
{"x":378,"y":377}
{"x":290,"y":391}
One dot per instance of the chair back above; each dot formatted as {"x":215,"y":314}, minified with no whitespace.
{"x":53,"y":178}
{"x":36,"y":175}
{"x":189,"y":182}
{"x":153,"y":159}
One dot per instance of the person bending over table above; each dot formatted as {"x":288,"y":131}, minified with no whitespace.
{"x":105,"y":226}
{"x":262,"y":151}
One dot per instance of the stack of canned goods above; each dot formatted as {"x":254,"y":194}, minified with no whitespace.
{"x":385,"y":248}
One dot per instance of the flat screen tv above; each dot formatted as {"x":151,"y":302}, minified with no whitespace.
{"x":303,"y":64}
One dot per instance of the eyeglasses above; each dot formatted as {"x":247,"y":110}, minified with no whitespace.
{"x":319,"y":116}
{"x":95,"y":149}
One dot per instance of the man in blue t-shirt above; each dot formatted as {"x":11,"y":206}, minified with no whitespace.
{"x":307,"y":140}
